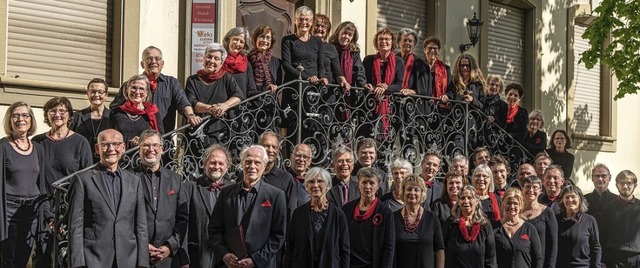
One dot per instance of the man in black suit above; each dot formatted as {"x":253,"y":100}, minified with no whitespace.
{"x":300,"y":158}
{"x":249,"y":223}
{"x":108,"y":221}
{"x":202,"y":194}
{"x":344,"y":185}
{"x":166,"y":204}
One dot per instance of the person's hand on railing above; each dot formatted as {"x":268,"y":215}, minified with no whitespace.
{"x":313,"y":79}
{"x":408,"y":91}
{"x":444,"y":98}
{"x":344,"y":84}
{"x":272,"y":88}
{"x":194,"y":120}
{"x":490,"y":119}
{"x":134,"y":141}
{"x":324,"y":81}
{"x":368,"y":87}
{"x":380,"y":90}
{"x":218,"y":110}
{"x":467,"y":97}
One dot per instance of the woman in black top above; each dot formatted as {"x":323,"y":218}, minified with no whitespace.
{"x":517,"y":241}
{"x":453,"y":182}
{"x":137,"y":113}
{"x":558,"y":146}
{"x":236,"y":42}
{"x":536,"y":139}
{"x":468,"y":234}
{"x":345,"y":40}
{"x":482,"y":181}
{"x":22,"y":182}
{"x":267,"y":69}
{"x":332,"y":72}
{"x":418,"y":234}
{"x":318,"y":234}
{"x":214,"y":91}
{"x":371,"y":226}
{"x":578,"y":237}
{"x":492,"y":101}
{"x":542,"y":218}
{"x":515,"y":117}
{"x":470,"y":85}
{"x":303,"y":49}
{"x":393,"y":199}
{"x":90,"y":121}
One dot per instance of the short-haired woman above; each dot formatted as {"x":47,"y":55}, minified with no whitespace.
{"x":559,"y":145}
{"x":453,"y":183}
{"x":578,"y":237}
{"x":542,"y":217}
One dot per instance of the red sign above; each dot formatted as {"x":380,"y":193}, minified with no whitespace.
{"x":203,"y":13}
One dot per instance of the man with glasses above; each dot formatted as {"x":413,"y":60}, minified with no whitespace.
{"x":166,"y":92}
{"x":619,"y":231}
{"x":107,"y":212}
{"x":600,"y":176}
{"x":301,"y":158}
{"x":166,"y":204}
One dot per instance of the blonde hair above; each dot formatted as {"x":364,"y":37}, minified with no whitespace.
{"x":414,"y":179}
{"x":513,"y":193}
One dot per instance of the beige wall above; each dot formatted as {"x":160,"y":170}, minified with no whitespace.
{"x":159,"y":25}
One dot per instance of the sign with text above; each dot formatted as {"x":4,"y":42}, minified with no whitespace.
{"x":203,"y":22}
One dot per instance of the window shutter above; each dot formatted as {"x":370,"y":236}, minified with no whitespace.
{"x":398,"y":14}
{"x":506,"y":42}
{"x":586,"y":104}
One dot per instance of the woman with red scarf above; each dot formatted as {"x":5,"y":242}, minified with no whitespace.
{"x":236,"y":42}
{"x":516,"y":118}
{"x":413,"y":66}
{"x":345,"y":39}
{"x":371,"y":225}
{"x":384,"y":71}
{"x":136,"y":114}
{"x":213,"y":91}
{"x":468,"y":236}
{"x":267,"y":68}
{"x":438,"y":79}
{"x":482,"y":180}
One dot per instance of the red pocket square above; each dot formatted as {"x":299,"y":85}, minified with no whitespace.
{"x":266,"y":204}
{"x":171,"y":192}
{"x":525,"y":237}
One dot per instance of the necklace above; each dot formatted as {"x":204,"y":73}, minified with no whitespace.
{"x":512,"y":224}
{"x":409,"y":226}
{"x":20,"y":148}
{"x":50,"y":136}
{"x":133,"y":117}
{"x":323,"y":206}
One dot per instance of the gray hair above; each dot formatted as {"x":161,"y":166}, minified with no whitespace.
{"x":320,"y":173}
{"x":537,"y":113}
{"x":600,"y":165}
{"x":303,"y":10}
{"x":145,"y":52}
{"x":402,"y":163}
{"x":268,"y":133}
{"x":147,"y":133}
{"x":369,"y":172}
{"x":137,"y":77}
{"x":216,"y":47}
{"x":217,"y":147}
{"x":460,"y":158}
{"x":408,"y":31}
{"x":552,"y":167}
{"x":573,"y":189}
{"x":235,"y":32}
{"x":483,"y":168}
{"x":245,"y":152}
{"x":533,"y":179}
{"x":340,"y":151}
{"x":478,"y":214}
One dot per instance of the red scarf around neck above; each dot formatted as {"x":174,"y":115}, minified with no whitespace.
{"x":346,"y":62}
{"x":235,"y":64}
{"x":211,"y":77}
{"x":260,"y":62}
{"x":494,"y":207}
{"x":150,"y":110}
{"x":408,"y":66}
{"x":475,"y":230}
{"x":441,"y":78}
{"x":363,"y":217}
{"x":153,"y":81}
{"x":382,"y":106}
{"x":511,"y":113}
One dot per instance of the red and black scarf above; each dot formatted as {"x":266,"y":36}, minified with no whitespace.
{"x":382,"y":106}
{"x":260,"y":61}
{"x":150,"y":110}
{"x":511,"y":113}
{"x":153,"y":81}
{"x":408,"y":66}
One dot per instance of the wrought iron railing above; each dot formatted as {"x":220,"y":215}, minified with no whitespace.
{"x":323,"y":117}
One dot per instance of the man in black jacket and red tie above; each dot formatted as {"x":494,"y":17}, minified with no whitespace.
{"x":249,"y":225}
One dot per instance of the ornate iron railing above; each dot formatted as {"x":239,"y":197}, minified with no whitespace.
{"x":324,"y":117}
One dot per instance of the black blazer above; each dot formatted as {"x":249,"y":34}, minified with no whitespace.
{"x":517,"y":129}
{"x":167,"y":224}
{"x":333,"y":235}
{"x":98,"y":232}
{"x":265,"y":233}
{"x":384,"y":234}
{"x":201,"y":203}
{"x":335,"y":193}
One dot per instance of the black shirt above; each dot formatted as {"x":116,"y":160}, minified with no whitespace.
{"x":620,"y":231}
{"x":246,"y":199}
{"x":21,"y":172}
{"x":475,"y":254}
{"x":520,"y":250}
{"x":547,"y":228}
{"x":564,"y":159}
{"x":417,"y":249}
{"x":597,"y":202}
{"x":578,"y":241}
{"x":442,"y":209}
{"x":152,"y":180}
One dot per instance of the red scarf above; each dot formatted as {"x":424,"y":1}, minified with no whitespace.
{"x":235,"y":64}
{"x":346,"y":62}
{"x":363,"y":217}
{"x":260,"y":62}
{"x":382,"y":106}
{"x":475,"y":230}
{"x":494,"y":207}
{"x":441,"y":78}
{"x":408,"y":66}
{"x":153,"y":81}
{"x":150,"y":110}
{"x":511,"y":113}
{"x":211,"y":77}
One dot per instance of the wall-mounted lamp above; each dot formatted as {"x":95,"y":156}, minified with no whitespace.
{"x":473,"y":28}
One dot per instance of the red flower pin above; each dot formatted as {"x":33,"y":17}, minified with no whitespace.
{"x":377,"y":219}
{"x":171,"y":192}
{"x":266,"y":204}
{"x":538,"y":141}
{"x":525,"y":237}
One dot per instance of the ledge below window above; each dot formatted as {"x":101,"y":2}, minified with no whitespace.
{"x":593,"y":143}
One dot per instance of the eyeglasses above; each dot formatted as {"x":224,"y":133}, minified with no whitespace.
{"x":60,"y":111}
{"x":151,"y":145}
{"x":464,"y":66}
{"x":600,"y":175}
{"x":18,"y":116}
{"x":302,"y":157}
{"x":432,"y":48}
{"x":138,"y":89}
{"x":106,"y":145}
{"x":151,"y":59}
{"x":530,"y":187}
{"x":96,"y":92}
{"x":626,"y":183}
{"x":265,"y":37}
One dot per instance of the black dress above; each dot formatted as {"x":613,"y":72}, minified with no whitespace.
{"x":372,"y":240}
{"x":475,"y":254}
{"x":535,"y":143}
{"x":520,"y":250}
{"x":578,"y":241}
{"x":417,"y":249}
{"x":547,"y":228}
{"x":309,"y":55}
{"x":328,"y":247}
